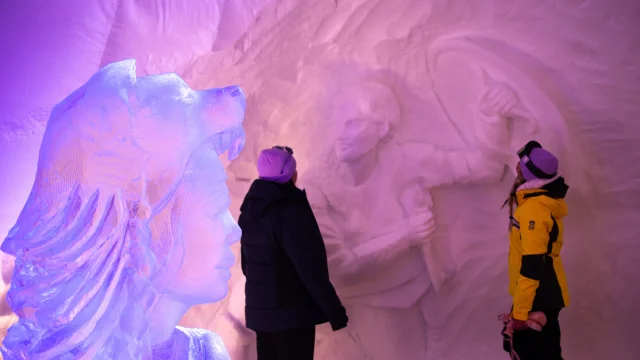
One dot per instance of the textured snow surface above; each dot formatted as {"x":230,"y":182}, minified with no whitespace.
{"x":573,"y":65}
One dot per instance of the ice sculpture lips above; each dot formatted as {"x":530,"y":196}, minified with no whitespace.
{"x":232,"y":236}
{"x":227,"y":260}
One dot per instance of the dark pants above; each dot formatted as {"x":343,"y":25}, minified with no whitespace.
{"x":540,"y":345}
{"x":295,"y":344}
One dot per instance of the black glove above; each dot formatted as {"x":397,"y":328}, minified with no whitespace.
{"x":506,"y":343}
{"x":506,"y":339}
{"x":339,"y":322}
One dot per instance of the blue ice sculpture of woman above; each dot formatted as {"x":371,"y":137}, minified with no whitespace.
{"x":127,"y":224}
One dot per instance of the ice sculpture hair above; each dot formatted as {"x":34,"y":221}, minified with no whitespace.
{"x":99,"y":226}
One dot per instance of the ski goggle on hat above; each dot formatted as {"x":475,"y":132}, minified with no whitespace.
{"x":530,"y":155}
{"x":284,"y":148}
{"x":526,"y":150}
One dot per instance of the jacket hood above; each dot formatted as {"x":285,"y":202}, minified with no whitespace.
{"x":263,"y":193}
{"x":551,"y":194}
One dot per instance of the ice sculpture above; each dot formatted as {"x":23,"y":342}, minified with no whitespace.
{"x":371,"y":197}
{"x":127,"y":224}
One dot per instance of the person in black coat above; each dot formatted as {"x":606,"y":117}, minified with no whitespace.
{"x":288,"y":291}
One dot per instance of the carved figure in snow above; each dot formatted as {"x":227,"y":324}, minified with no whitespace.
{"x":371,"y":198}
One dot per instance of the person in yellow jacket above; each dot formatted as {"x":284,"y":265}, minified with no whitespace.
{"x":537,"y":279}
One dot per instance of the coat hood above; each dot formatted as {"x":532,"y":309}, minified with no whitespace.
{"x":549,"y":193}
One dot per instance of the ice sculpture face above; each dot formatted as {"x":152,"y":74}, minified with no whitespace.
{"x":208,"y":234}
{"x":364,"y":112}
{"x":129,"y":204}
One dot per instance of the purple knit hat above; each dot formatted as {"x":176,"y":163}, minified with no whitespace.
{"x":539,"y":164}
{"x":276,"y":164}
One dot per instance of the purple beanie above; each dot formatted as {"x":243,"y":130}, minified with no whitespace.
{"x":541,"y":159}
{"x":276,"y":165}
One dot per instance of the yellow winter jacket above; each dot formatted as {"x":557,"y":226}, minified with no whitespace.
{"x":536,"y":274}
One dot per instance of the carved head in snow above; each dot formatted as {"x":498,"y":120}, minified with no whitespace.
{"x":364,"y":113}
{"x":129,"y":204}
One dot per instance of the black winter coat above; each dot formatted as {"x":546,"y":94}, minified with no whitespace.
{"x":285,"y":262}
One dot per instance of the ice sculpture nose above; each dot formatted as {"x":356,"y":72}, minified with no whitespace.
{"x":236,"y":92}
